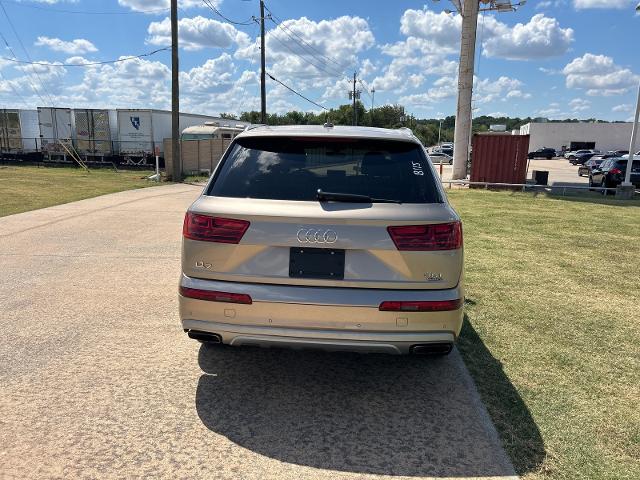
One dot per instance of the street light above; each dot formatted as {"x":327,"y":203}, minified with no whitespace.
{"x":632,"y":145}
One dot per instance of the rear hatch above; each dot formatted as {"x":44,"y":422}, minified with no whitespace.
{"x":379,"y":221}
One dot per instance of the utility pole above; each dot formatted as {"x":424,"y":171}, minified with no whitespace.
{"x":355,"y":114}
{"x":373,"y":96}
{"x":263,"y":88}
{"x":439,"y":130}
{"x":465,"y":88}
{"x":175,"y":96}
{"x":462,"y":137}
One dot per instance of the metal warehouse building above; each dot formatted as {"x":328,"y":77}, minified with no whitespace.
{"x":578,"y":135}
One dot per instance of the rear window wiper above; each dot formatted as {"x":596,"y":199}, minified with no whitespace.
{"x":350,"y":197}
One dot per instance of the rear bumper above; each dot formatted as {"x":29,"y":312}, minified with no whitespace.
{"x":320,"y":317}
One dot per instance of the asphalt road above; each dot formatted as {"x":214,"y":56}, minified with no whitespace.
{"x":99,"y":381}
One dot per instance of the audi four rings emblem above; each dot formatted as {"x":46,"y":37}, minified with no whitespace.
{"x":313,"y":235}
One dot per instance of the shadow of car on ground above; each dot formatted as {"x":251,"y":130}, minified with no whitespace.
{"x":375,"y":414}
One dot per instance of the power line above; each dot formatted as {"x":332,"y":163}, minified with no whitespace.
{"x":323,"y":66}
{"x":44,"y":88}
{"x":84,"y":12}
{"x":28,"y":77}
{"x":365,"y":88}
{"x":227,"y":19}
{"x":297,"y":93}
{"x":243,"y":85}
{"x":87,"y":64}
{"x":311,"y":46}
{"x":318,"y":66}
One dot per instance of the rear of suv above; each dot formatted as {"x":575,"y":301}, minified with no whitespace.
{"x":338,"y":238}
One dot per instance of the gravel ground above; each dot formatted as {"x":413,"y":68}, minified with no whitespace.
{"x":99,"y":381}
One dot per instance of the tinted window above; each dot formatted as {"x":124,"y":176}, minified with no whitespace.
{"x":294,"y":168}
{"x":622,"y":163}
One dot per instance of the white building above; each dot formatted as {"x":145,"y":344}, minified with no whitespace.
{"x":575,"y":136}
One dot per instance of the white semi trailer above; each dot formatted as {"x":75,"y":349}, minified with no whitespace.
{"x":94,"y":131}
{"x":141,"y":131}
{"x":19,"y":131}
{"x":55,"y":130}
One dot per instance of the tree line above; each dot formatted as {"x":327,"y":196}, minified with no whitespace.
{"x":389,"y":116}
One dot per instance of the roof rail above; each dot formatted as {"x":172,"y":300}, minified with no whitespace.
{"x":406,"y":130}
{"x":255,"y":125}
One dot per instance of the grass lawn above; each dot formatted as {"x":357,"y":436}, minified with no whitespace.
{"x":552,"y":336}
{"x":28,"y":188}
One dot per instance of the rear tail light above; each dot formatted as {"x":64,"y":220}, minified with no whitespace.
{"x":214,"y":296}
{"x":428,"y":306}
{"x":615,"y":171}
{"x":439,"y":236}
{"x":213,"y":229}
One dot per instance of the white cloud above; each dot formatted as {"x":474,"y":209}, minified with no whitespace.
{"x":625,"y":107}
{"x":544,"y":4}
{"x":395,"y":73}
{"x":585,"y":4}
{"x":599,"y":75}
{"x":579,"y":105}
{"x":488,"y":90}
{"x":542,"y":37}
{"x":213,"y":76}
{"x":442,"y":29}
{"x":517,"y":94}
{"x":308,"y":50}
{"x":485,"y":91}
{"x":430,"y":32}
{"x":73,"y":47}
{"x":155,"y":5}
{"x":197,"y":33}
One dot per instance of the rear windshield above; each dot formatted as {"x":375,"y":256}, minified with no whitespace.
{"x":294,"y":168}
{"x":622,"y":163}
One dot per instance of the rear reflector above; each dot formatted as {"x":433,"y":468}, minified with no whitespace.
{"x":429,"y":306}
{"x":437,"y":236}
{"x":213,"y":229}
{"x":214,"y":296}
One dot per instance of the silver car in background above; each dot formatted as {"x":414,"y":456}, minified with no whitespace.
{"x":336,"y":238}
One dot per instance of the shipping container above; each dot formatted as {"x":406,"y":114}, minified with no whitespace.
{"x":141,"y":131}
{"x":94,"y":130}
{"x":19,"y":131}
{"x":55,"y":129}
{"x":499,"y":158}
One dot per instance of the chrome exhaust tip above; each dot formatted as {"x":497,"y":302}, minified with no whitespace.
{"x":204,"y":336}
{"x":432,"y":349}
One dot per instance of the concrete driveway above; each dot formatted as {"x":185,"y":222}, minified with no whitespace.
{"x":99,"y":381}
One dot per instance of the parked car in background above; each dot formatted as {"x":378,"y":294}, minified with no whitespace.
{"x":580,"y":158}
{"x":572,"y":155}
{"x":335,"y":238}
{"x":441,"y":157}
{"x":446,"y":150}
{"x":584,"y":170}
{"x":617,"y":153}
{"x":545,"y":152}
{"x":612,"y":171}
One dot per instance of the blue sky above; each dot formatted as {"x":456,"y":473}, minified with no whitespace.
{"x":552,"y":58}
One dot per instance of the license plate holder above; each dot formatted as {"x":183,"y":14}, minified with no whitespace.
{"x":321,"y":263}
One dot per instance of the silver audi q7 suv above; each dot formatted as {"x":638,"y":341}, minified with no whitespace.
{"x":337,"y":238}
